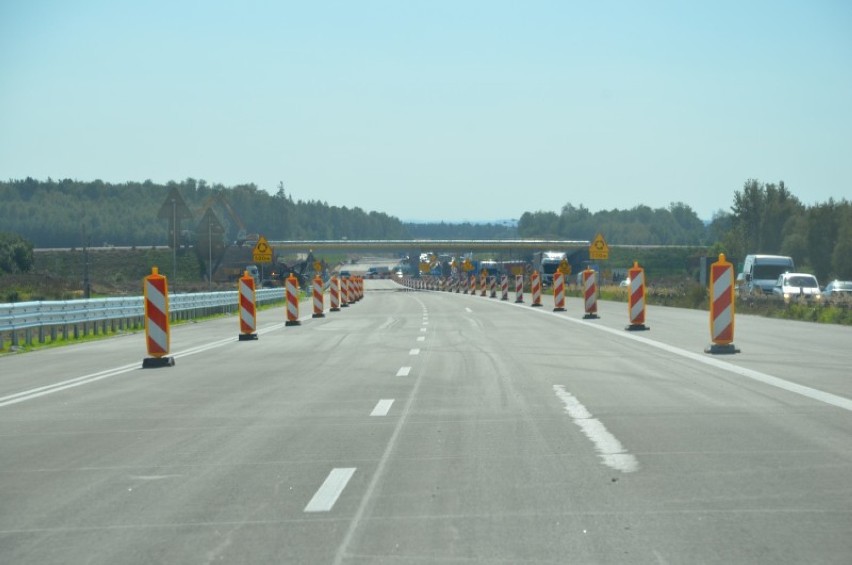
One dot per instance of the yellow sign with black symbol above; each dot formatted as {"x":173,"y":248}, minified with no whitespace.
{"x":564,"y":267}
{"x":467,"y":266}
{"x":262,"y":252}
{"x":599,"y":250}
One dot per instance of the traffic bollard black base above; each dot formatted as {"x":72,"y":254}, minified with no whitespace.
{"x":247,"y":337}
{"x":637,"y":328}
{"x":716,"y":349}
{"x":157,"y":362}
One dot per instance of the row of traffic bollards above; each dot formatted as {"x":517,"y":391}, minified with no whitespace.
{"x":343,"y":290}
{"x":721,"y":297}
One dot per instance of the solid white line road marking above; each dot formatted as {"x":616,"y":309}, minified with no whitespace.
{"x":403,"y":372}
{"x":414,"y":352}
{"x":422,"y":329}
{"x":612,"y":452}
{"x":331,"y":489}
{"x":421,"y":338}
{"x":802,"y":390}
{"x":383,"y":407}
{"x":468,"y":310}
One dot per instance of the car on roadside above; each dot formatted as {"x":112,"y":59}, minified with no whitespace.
{"x":838,"y":290}
{"x":797,"y":286}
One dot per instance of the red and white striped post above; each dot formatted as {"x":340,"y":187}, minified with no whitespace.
{"x":291,"y":288}
{"x":590,"y":293}
{"x":504,"y":287}
{"x":535,"y":288}
{"x":319,"y":298}
{"x":492,"y":283}
{"x":344,"y":292}
{"x":473,"y":285}
{"x":248,"y":308}
{"x":334,"y":293}
{"x":519,"y":289}
{"x":636,"y":299}
{"x":722,"y":307}
{"x":157,"y":336}
{"x":558,"y":291}
{"x":483,"y":283}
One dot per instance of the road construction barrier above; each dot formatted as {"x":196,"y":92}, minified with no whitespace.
{"x":344,"y":292}
{"x":319,"y":298}
{"x":334,"y":294}
{"x":636,"y":298}
{"x":473,"y":285}
{"x":457,"y":285}
{"x":157,"y":334}
{"x":291,"y":290}
{"x":558,"y":292}
{"x":492,"y":282}
{"x":483,"y":283}
{"x":535,"y":288}
{"x":248,"y":308}
{"x":519,"y":289}
{"x":504,"y":287}
{"x":590,"y":293}
{"x":722,"y":307}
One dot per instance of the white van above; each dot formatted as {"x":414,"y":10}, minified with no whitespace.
{"x":760,"y":272}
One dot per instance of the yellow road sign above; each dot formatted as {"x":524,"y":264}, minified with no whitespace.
{"x":262,"y":252}
{"x":599,"y":250}
{"x":425,"y":267}
{"x":318,"y":266}
{"x":467,"y":266}
{"x":564,"y":267}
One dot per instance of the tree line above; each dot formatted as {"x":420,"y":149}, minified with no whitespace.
{"x":764,"y":218}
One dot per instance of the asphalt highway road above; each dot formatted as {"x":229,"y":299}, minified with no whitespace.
{"x":426,"y":427}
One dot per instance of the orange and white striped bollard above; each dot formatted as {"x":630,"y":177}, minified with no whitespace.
{"x":722,"y":307}
{"x":334,"y":293}
{"x":519,"y":289}
{"x":248,"y":308}
{"x":558,"y":291}
{"x":535,"y":288}
{"x":590,"y":294}
{"x":319,"y":299}
{"x":504,"y":287}
{"x":157,"y":334}
{"x":291,"y":289}
{"x":636,"y":298}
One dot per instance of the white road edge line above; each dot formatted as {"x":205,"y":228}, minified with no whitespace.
{"x":611,"y":451}
{"x":94,"y":377}
{"x":403,"y":371}
{"x":802,"y":390}
{"x":421,"y":338}
{"x":382,"y":407}
{"x":330,"y":490}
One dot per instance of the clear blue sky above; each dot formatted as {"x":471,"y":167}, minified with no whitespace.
{"x":435,"y":110}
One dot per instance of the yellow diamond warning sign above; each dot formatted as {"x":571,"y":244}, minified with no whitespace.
{"x":599,"y":250}
{"x":262,"y":252}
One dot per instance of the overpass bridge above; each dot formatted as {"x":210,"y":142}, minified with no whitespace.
{"x":433,"y":245}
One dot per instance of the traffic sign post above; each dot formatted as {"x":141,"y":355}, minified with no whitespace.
{"x":599,"y":250}
{"x":262,"y":252}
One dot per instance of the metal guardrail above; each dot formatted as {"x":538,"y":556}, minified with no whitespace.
{"x":79,"y":315}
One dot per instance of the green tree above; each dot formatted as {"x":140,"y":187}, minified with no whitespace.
{"x":16,"y":254}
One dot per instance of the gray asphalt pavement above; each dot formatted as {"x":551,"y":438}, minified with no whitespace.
{"x":426,"y":427}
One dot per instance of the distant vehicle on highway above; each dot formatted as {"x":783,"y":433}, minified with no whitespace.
{"x":791,"y":286}
{"x":378,"y":273}
{"x":838,"y":289}
{"x":761,"y":272}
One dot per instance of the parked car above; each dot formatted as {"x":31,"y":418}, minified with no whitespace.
{"x":791,"y":286}
{"x":838,"y":289}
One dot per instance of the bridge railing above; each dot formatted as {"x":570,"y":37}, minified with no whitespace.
{"x":77,"y":318}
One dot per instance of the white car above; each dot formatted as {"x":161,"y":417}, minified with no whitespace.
{"x":797,"y":286}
